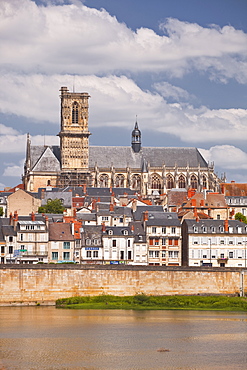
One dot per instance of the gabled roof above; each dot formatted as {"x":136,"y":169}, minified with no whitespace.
{"x":47,"y":161}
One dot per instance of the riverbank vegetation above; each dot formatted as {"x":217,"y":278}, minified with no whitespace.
{"x":145,"y":302}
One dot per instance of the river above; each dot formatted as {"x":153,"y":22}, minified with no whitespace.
{"x":50,"y":338}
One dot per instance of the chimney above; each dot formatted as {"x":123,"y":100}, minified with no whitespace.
{"x":132,"y":228}
{"x":103,"y":227}
{"x":193,"y":202}
{"x":32,"y":216}
{"x":145,"y":216}
{"x":195,"y":213}
{"x":111,"y":208}
{"x":84,"y":188}
{"x":11,"y":219}
{"x":47,"y":221}
{"x":226,"y":226}
{"x":110,"y":189}
{"x":94,"y":201}
{"x":134,"y":202}
{"x":72,"y":228}
{"x":202,"y":203}
{"x":16,"y":215}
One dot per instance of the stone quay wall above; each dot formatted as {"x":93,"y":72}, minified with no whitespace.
{"x":43,"y":284}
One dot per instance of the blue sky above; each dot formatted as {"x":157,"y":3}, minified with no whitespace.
{"x":179,"y":65}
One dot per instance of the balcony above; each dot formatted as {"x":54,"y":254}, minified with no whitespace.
{"x":222,"y":260}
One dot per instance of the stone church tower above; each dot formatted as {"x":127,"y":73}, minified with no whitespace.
{"x":74,"y":138}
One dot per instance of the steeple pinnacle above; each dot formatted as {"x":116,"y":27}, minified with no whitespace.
{"x":136,"y":139}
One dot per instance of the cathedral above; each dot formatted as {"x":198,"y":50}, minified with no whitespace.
{"x":148,"y":170}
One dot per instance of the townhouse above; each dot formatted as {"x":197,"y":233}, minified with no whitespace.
{"x":217,"y":243}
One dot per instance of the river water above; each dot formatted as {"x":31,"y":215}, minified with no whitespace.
{"x":50,"y":338}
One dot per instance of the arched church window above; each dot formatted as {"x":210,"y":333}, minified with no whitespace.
{"x":169,"y":182}
{"x":181,"y":182}
{"x":136,"y":182}
{"x":75,"y":113}
{"x":103,"y":181}
{"x":155,"y":182}
{"x":204,"y":182}
{"x":119,"y":181}
{"x":193,"y":182}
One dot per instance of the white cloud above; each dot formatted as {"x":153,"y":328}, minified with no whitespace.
{"x":169,"y":91}
{"x":17,"y":143}
{"x":34,"y":39}
{"x":13,"y":171}
{"x":115,"y":101}
{"x":5,"y":130}
{"x":226,"y":156}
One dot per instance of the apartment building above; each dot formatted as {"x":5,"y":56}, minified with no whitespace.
{"x":217,"y":243}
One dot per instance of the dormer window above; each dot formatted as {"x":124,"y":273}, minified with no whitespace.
{"x":195,"y":229}
{"x":110,"y":232}
{"x":125,"y":232}
{"x":204,"y":229}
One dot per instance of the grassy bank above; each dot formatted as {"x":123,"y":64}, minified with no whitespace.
{"x":144,"y":302}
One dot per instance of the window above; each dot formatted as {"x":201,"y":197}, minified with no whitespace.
{"x":2,"y":249}
{"x":128,"y":243}
{"x":156,"y":242}
{"x":122,"y":255}
{"x":163,"y":254}
{"x":218,"y":217}
{"x":75,"y":113}
{"x":163,"y":241}
{"x":114,"y":243}
{"x":163,"y":230}
{"x":129,"y":255}
{"x":222,"y":241}
{"x":195,"y":229}
{"x":54,"y":256}
{"x":10,"y":238}
{"x":66,"y":245}
{"x":222,"y":255}
{"x":154,"y":230}
{"x":151,"y":254}
{"x":89,"y":254}
{"x":110,"y":232}
{"x":66,"y":256}
{"x":181,"y":182}
{"x":105,"y":218}
{"x":155,"y":182}
{"x":21,"y":237}
{"x":169,"y":182}
{"x":10,"y":249}
{"x":173,"y":254}
{"x":103,"y":181}
{"x":125,"y":232}
{"x":193,"y":182}
{"x":95,"y":254}
{"x":136,"y":182}
{"x":156,"y":254}
{"x":119,"y":181}
{"x":173,"y":230}
{"x":230,"y":254}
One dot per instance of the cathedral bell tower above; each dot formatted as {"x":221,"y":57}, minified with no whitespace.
{"x":74,"y":142}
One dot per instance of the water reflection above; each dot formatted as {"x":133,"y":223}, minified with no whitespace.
{"x":49,"y":338}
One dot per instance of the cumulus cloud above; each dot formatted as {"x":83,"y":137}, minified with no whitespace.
{"x":17,"y":143}
{"x":14,"y":170}
{"x":94,"y":42}
{"x":115,"y":101}
{"x":226,"y":156}
{"x":5,"y":130}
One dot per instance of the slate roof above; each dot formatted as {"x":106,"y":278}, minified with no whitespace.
{"x":121,"y":157}
{"x":163,"y":222}
{"x":214,"y":223}
{"x":138,"y":214}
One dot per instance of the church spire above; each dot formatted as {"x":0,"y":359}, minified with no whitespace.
{"x":136,"y":139}
{"x":27,"y":165}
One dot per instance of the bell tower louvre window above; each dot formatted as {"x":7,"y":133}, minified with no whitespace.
{"x":75,"y":114}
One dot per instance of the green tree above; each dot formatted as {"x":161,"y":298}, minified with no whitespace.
{"x":239,"y":216}
{"x":52,"y":206}
{"x":1,"y":211}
